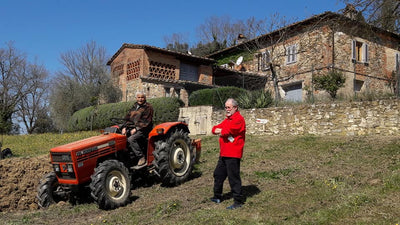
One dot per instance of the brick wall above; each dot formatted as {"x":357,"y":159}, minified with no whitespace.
{"x":164,"y":69}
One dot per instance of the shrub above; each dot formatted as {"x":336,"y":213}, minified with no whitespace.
{"x":215,"y":97}
{"x":97,"y":117}
{"x":166,"y":109}
{"x":81,"y":119}
{"x":202,"y":97}
{"x":255,"y":99}
{"x":330,"y":82}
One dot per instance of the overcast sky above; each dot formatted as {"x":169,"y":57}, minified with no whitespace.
{"x":45,"y":28}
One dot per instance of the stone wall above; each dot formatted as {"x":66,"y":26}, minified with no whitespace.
{"x":339,"y":118}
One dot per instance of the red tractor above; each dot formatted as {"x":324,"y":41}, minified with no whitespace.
{"x":103,"y":166}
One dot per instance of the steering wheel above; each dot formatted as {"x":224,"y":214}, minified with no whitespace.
{"x":120,"y":122}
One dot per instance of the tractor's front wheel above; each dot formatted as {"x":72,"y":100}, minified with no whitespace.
{"x":111,"y":185}
{"x":49,"y":191}
{"x":173,"y":158}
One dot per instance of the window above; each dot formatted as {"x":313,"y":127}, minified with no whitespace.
{"x":264,"y":60}
{"x":189,"y":72}
{"x":359,"y":52}
{"x":358,"y":85}
{"x":291,"y":53}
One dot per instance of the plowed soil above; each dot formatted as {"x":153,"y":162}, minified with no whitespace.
{"x":19,"y":178}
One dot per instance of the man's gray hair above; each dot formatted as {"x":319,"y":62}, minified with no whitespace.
{"x":140,"y":93}
{"x":233,"y":101}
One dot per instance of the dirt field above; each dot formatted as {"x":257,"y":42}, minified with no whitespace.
{"x":19,"y":179}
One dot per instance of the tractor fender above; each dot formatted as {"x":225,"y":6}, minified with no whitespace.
{"x":164,"y":128}
{"x":160,"y":131}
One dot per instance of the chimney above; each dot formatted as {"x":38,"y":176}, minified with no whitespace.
{"x":241,"y":38}
{"x":350,"y":12}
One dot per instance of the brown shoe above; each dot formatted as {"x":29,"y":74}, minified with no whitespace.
{"x":142,"y":161}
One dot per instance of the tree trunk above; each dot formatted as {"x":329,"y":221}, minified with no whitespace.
{"x":275,"y":81}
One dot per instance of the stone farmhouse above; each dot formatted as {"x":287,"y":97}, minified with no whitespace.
{"x":369,"y":58}
{"x":366,"y":55}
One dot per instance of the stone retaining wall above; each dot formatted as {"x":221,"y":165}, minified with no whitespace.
{"x":338,"y":118}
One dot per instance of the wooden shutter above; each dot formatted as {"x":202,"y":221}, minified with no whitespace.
{"x":353,"y":50}
{"x":288,"y":54}
{"x":365,"y":52}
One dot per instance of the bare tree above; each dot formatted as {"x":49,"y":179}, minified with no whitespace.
{"x":177,"y":42}
{"x":271,"y":48}
{"x":87,"y":65}
{"x":215,"y":34}
{"x":13,"y":86}
{"x":85,"y":81}
{"x":381,"y":13}
{"x":31,"y":109}
{"x":215,"y":29}
{"x":222,"y":30}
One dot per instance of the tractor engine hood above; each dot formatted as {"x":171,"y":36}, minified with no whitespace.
{"x":75,"y":162}
{"x":87,"y":145}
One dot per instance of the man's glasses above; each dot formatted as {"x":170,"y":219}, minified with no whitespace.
{"x":229,"y":107}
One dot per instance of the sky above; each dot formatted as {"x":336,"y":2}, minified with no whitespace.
{"x":44,"y":29}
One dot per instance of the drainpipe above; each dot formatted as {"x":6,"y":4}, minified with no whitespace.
{"x":354,"y":79}
{"x":333,"y":48}
{"x":398,"y":81}
{"x":312,"y":84}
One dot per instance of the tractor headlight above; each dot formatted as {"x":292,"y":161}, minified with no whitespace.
{"x":56,"y":168}
{"x":160,"y":130}
{"x":70,"y":168}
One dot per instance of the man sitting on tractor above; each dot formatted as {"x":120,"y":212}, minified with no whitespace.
{"x":138,"y":126}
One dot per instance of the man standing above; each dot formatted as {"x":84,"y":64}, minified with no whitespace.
{"x":140,"y":123}
{"x":231,"y":140}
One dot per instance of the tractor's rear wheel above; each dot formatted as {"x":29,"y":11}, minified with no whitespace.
{"x":111,"y":185}
{"x":49,"y":191}
{"x":173,"y":158}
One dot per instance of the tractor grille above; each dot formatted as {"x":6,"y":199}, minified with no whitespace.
{"x":67,"y":176}
{"x":61,"y":157}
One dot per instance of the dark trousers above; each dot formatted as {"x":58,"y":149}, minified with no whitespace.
{"x":228,"y":167}
{"x":135,"y":141}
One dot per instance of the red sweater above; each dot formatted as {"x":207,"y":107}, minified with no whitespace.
{"x":235,"y":127}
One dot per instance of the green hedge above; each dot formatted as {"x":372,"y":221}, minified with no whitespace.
{"x":98,"y":117}
{"x":215,"y":97}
